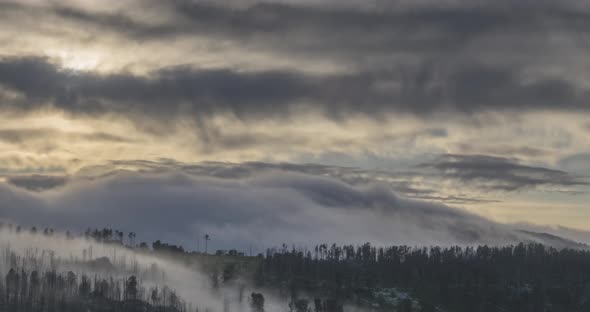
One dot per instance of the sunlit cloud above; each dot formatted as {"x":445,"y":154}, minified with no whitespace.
{"x":461,"y":103}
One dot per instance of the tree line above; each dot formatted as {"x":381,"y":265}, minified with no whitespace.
{"x":523,"y":277}
{"x":64,"y":292}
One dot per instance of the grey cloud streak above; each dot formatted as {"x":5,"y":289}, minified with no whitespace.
{"x":167,"y":93}
{"x":171,"y":92}
{"x":24,"y":135}
{"x":37,"y":182}
{"x":499,"y":173}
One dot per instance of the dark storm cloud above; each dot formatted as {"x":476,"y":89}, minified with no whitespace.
{"x":183,"y":90}
{"x":500,"y":174}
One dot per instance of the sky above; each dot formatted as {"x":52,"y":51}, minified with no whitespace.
{"x":390,"y":121}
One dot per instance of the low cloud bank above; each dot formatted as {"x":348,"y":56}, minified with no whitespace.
{"x":259,"y":210}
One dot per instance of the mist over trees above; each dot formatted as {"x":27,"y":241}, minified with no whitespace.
{"x":46,"y":271}
{"x":63,"y":292}
{"x":106,"y":270}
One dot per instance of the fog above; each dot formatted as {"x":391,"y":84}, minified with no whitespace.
{"x":39,"y":252}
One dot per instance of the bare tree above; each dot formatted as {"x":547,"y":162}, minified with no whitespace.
{"x":207,"y":238}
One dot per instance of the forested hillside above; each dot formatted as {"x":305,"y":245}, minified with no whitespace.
{"x":106,"y":270}
{"x":45,"y":271}
{"x":50,"y":291}
{"x":525,"y":277}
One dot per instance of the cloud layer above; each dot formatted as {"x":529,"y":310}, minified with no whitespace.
{"x":420,"y":59}
{"x":497,"y":173}
{"x":265,"y":209}
{"x":262,"y":209}
{"x":473,"y":103}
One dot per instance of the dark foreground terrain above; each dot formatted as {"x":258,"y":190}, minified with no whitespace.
{"x":327,"y":278}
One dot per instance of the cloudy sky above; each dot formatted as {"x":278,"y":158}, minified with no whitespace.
{"x":294,"y":120}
